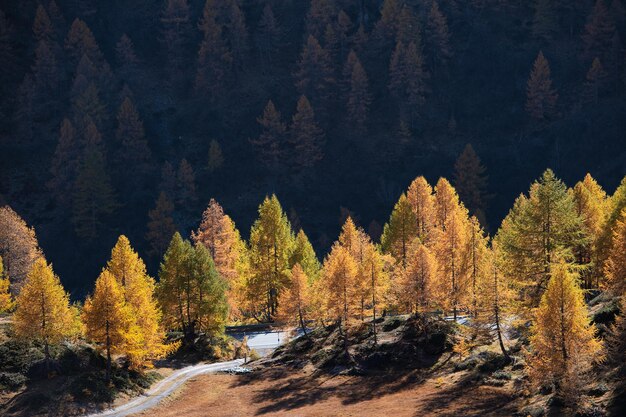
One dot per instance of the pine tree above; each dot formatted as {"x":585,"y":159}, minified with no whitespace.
{"x":540,"y":229}
{"x":386,"y":28}
{"x":237,"y":35}
{"x":43,"y":312}
{"x":130,"y":272}
{"x":304,"y":255}
{"x":185,"y":184}
{"x":214,"y":57}
{"x":446,"y":202}
{"x":271,"y":246}
{"x":314,"y":78}
{"x":216,"y":158}
{"x":296,"y":301}
{"x":338,"y":278}
{"x":359,"y":99}
{"x":544,"y":25}
{"x":93,"y":196}
{"x":476,"y":262}
{"x":470,"y":180}
{"x":86,"y":104}
{"x":540,"y":96}
{"x":64,"y":163}
{"x":422,"y":200}
{"x":562,"y":337}
{"x":615,"y":266}
{"x":80,"y":43}
{"x":617,"y":202}
{"x":592,"y":207}
{"x":19,"y":248}
{"x":409,"y":27}
{"x":161,"y":226}
{"x":107,"y":318}
{"x":42,"y":26}
{"x":598,"y":33}
{"x":400,"y":231}
{"x":6,"y":300}
{"x":306,"y":137}
{"x":134,"y":151}
{"x":438,"y":34}
{"x":270,"y":142}
{"x":594,"y":82}
{"x":125,"y":54}
{"x":407,"y":78}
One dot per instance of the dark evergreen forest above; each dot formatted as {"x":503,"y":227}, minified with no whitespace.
{"x":129,"y":116}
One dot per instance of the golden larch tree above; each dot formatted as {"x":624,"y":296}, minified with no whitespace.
{"x":417,"y":280}
{"x":130,"y":272}
{"x":108,"y":319}
{"x":43,"y":311}
{"x":422,"y":200}
{"x":563,"y":343}
{"x":615,"y":266}
{"x":296,"y":301}
{"x":399,"y":232}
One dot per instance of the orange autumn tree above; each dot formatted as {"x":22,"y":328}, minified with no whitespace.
{"x":43,"y":310}
{"x":416,"y":286}
{"x":108,"y":318}
{"x":296,"y":300}
{"x":217,"y":232}
{"x":422,"y":200}
{"x":400,"y":231}
{"x":563,"y":343}
{"x":138,"y":288}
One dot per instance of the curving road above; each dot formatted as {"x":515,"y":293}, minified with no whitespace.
{"x":165,"y":387}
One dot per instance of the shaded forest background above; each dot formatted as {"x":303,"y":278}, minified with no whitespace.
{"x":101,"y":115}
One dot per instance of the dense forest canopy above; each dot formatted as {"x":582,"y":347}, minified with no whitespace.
{"x":127,"y":118}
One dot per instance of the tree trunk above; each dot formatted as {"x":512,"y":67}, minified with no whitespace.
{"x":108,"y":370}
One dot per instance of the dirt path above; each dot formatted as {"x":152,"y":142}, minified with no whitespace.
{"x":165,"y":388}
{"x":277,"y":392}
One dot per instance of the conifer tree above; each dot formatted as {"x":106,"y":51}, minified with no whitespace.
{"x":130,"y":272}
{"x":161,"y":226}
{"x":422,"y":200}
{"x":175,"y":31}
{"x":214,"y":57}
{"x":269,"y":36}
{"x":407,"y":78}
{"x":446,"y":202}
{"x":134,"y":151}
{"x":306,"y":137}
{"x":598,"y":33}
{"x":408,"y":27}
{"x":544,"y":23}
{"x":476,"y":262}
{"x":338,"y":278}
{"x":64,"y":163}
{"x":540,"y":229}
{"x":81,"y":42}
{"x":93,"y":197}
{"x":6,"y":300}
{"x":359,"y":99}
{"x":43,"y":311}
{"x":386,"y":28}
{"x":271,"y":246}
{"x":216,"y":158}
{"x":438,"y":35}
{"x":419,"y":278}
{"x":616,"y":346}
{"x":540,"y":96}
{"x":400,"y":231}
{"x":617,"y":202}
{"x":42,"y":26}
{"x":314,"y":78}
{"x":270,"y":142}
{"x":470,"y":180}
{"x":86,"y":104}
{"x":615,"y":266}
{"x":237,"y":34}
{"x":594,"y":82}
{"x":592,"y":206}
{"x":18,"y":247}
{"x":296,"y":302}
{"x":320,"y":15}
{"x":304,"y":255}
{"x":563,"y":343}
{"x":185,"y":184}
{"x":125,"y":54}
{"x":107,"y":318}
{"x":46,"y":75}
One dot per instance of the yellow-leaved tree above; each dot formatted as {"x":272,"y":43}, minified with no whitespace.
{"x":129,"y":270}
{"x":295,"y":304}
{"x":338,"y":279}
{"x":416,"y":285}
{"x":422,"y":200}
{"x":615,"y":265}
{"x":108,"y":319}
{"x":43,"y":311}
{"x":563,"y":343}
{"x":6,"y":302}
